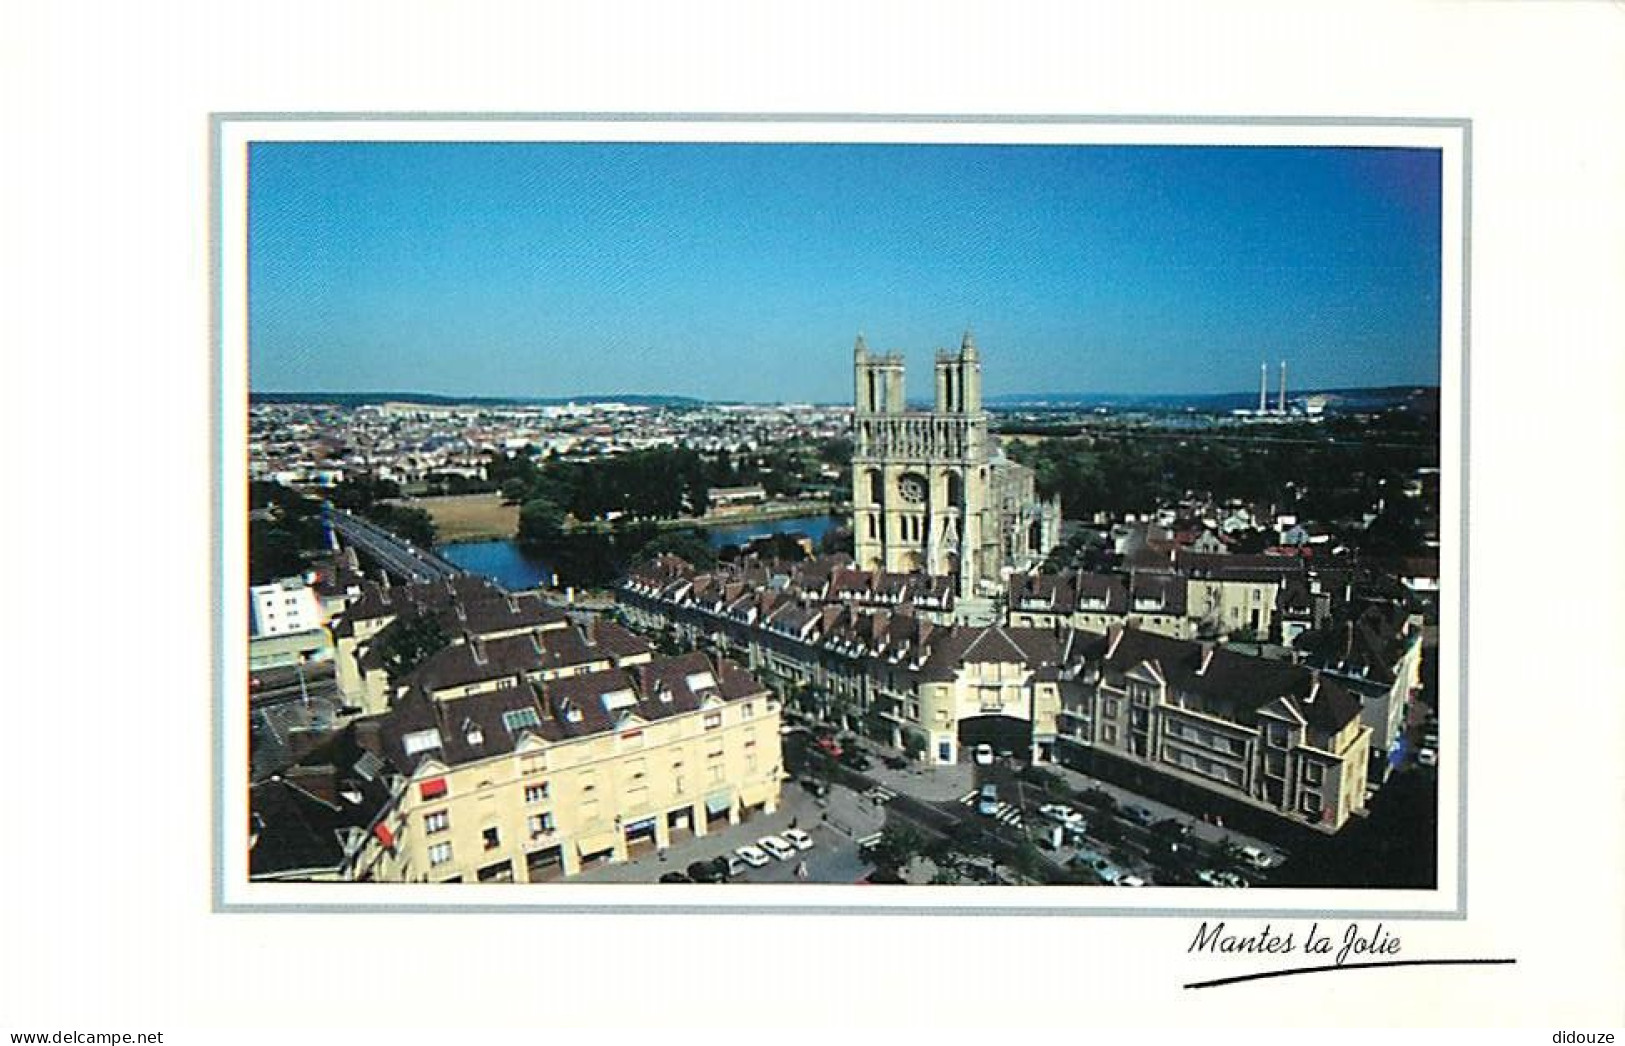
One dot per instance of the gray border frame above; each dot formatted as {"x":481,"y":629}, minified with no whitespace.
{"x":216,"y":436}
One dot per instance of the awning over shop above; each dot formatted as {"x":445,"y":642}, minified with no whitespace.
{"x":719,"y":803}
{"x":753,"y":795}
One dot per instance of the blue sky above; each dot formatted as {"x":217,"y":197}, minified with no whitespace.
{"x":744,"y":272}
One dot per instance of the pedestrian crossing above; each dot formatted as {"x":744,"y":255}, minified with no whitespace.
{"x":880,"y":795}
{"x":1002,"y":811}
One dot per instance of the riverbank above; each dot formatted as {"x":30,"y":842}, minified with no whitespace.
{"x":467,"y":518}
{"x":584,"y":554}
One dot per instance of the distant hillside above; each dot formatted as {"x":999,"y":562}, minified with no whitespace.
{"x":1345,"y":399}
{"x":363,"y":399}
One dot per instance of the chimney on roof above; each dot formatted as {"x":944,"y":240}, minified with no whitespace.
{"x":1207,"y":656}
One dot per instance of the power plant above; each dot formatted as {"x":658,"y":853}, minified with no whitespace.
{"x":1264,"y":410}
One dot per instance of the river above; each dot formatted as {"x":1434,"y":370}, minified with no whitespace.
{"x":514,"y":569}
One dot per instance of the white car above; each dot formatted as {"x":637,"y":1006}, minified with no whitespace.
{"x":1129,"y":880}
{"x":984,"y":755}
{"x":1256,"y":857}
{"x":777,"y":847}
{"x":797,"y":838}
{"x":1428,"y":757}
{"x":1221,"y":878}
{"x":1063,"y":815}
{"x":753,"y":857}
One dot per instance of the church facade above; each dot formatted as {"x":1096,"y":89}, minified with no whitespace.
{"x":932,"y":492}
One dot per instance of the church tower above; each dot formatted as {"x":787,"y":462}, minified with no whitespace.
{"x":920,"y":479}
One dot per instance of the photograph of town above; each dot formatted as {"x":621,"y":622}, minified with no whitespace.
{"x":945,"y":514}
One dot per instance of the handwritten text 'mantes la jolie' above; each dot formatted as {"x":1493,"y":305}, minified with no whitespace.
{"x":1356,"y":941}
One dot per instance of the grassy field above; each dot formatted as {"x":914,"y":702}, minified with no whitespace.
{"x":470,"y":517}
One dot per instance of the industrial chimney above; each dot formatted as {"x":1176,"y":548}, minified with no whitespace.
{"x":1263,"y":387}
{"x":1282,"y":405}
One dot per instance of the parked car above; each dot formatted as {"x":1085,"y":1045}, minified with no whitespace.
{"x":1128,"y":880}
{"x":1257,"y":858}
{"x":777,"y":847}
{"x":895,"y":762}
{"x":797,"y":838}
{"x":983,"y":755}
{"x":1137,"y":814}
{"x":1428,"y":757}
{"x":1215,"y":877}
{"x":675,"y":877}
{"x":1103,"y":869}
{"x":712,"y":871}
{"x":855,"y":759}
{"x":753,"y":857}
{"x":1062,"y":815}
{"x":829,"y":746}
{"x":815,"y":786}
{"x":987,"y":802}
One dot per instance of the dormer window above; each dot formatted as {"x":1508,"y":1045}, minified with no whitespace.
{"x":572,"y":714}
{"x":421,"y":741}
{"x":472,"y":732}
{"x":520,"y":718}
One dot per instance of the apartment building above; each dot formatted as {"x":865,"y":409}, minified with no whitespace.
{"x":1276,"y":735}
{"x":529,"y":782}
{"x":892,"y":672}
{"x":533,"y":782}
{"x":1280,"y":736}
{"x":465,"y":608}
{"x":284,"y":607}
{"x":1177,"y":593}
{"x":1095,"y":602}
{"x":1375,"y":650}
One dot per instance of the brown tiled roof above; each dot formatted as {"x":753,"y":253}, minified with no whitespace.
{"x":566,"y":708}
{"x":1237,"y":567}
{"x":1167,"y":590}
{"x":486,"y":615}
{"x":963,"y":644}
{"x":1245,"y":683}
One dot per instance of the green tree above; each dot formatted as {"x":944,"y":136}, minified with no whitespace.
{"x":408,"y":642}
{"x":898,"y":846}
{"x":689,"y":545}
{"x":541,"y":523}
{"x":407,"y":521}
{"x":273,"y":552}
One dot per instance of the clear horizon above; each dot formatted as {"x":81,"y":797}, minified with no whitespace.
{"x":551,"y":270}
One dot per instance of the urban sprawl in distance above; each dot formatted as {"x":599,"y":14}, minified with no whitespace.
{"x":652,"y":639}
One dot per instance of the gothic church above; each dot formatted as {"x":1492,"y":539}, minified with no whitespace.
{"x":932,"y":491}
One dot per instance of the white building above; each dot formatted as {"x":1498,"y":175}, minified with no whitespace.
{"x":283,"y":608}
